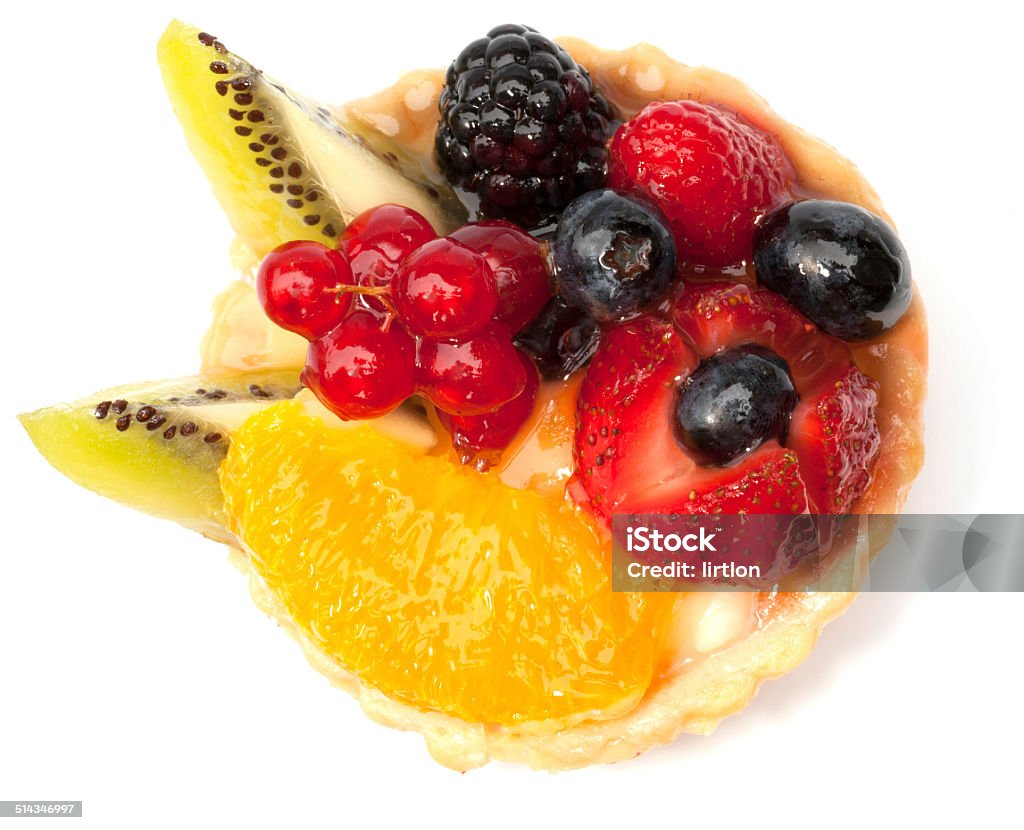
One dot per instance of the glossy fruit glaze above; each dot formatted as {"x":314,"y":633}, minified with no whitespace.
{"x":632,"y":78}
{"x":539,"y":458}
{"x":364,"y":368}
{"x":297,"y":286}
{"x":429,"y":315}
{"x":444,"y":289}
{"x":520,"y":272}
{"x":712,"y":175}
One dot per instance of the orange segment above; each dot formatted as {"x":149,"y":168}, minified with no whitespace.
{"x":444,"y":588}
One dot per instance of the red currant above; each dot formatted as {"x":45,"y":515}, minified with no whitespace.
{"x":443,"y":289}
{"x":294,"y":284}
{"x":378,"y":239}
{"x":363,"y":368}
{"x":473,"y":376}
{"x":520,"y":271}
{"x":480,"y":439}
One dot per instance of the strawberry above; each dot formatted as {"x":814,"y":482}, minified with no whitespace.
{"x":624,"y":445}
{"x":836,"y":436}
{"x":833,"y":429}
{"x":767,"y":484}
{"x":716,"y":316}
{"x":776,"y":537}
{"x":767,"y":481}
{"x":628,"y":458}
{"x":712,"y":174}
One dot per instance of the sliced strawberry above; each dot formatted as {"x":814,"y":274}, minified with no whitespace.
{"x":766,"y":481}
{"x":776,"y":535}
{"x":627,"y":456}
{"x":835,"y":434}
{"x":624,"y":446}
{"x":720,"y":315}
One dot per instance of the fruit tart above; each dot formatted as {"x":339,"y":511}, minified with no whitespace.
{"x":479,"y":314}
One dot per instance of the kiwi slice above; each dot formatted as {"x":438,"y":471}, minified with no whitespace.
{"x":284,"y":167}
{"x":156,"y":447}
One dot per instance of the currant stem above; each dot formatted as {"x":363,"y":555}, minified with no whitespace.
{"x":382,"y":292}
{"x":372,"y":290}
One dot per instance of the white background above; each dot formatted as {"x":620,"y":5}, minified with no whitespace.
{"x":135,"y":673}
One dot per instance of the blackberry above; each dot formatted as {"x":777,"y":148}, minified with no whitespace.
{"x":522,"y":126}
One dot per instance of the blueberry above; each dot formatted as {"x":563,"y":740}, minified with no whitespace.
{"x":840,"y":265}
{"x":561,"y":339}
{"x":613,"y":254}
{"x":733,"y":402}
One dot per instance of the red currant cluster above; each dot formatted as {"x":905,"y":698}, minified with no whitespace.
{"x":396,"y":311}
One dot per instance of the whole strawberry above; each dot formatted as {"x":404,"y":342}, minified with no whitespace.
{"x":712,"y":174}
